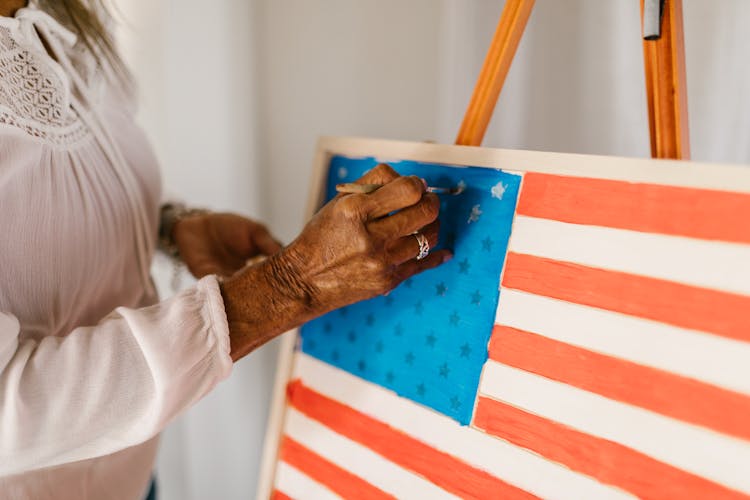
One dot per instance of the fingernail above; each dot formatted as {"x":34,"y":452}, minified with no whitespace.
{"x":424,"y":182}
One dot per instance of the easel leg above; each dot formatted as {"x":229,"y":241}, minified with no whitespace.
{"x":495,"y":69}
{"x":666,"y":86}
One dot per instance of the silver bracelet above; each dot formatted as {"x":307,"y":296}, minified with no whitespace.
{"x":169,"y":215}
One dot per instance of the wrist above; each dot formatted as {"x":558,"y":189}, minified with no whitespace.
{"x":266,"y":300}
{"x":170,"y":215}
{"x":285,"y":272}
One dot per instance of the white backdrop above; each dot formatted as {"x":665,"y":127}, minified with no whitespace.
{"x":235,"y":92}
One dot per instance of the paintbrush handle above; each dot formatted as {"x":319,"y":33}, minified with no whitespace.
{"x":351,"y":188}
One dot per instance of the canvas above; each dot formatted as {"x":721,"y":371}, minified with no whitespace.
{"x":590,"y":338}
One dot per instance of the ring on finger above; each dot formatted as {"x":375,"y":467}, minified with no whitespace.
{"x":424,"y":245}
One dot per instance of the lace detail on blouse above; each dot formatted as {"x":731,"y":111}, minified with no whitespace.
{"x":33,"y":97}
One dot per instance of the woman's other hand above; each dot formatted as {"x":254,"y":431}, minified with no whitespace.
{"x":356,"y":247}
{"x":218,"y":243}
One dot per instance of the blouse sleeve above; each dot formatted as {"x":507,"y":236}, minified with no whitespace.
{"x":104,"y":388}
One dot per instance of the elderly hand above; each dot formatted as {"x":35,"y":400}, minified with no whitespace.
{"x":217,"y":243}
{"x":356,"y":247}
{"x":353,"y":249}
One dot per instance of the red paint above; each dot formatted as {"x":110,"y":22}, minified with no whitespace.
{"x":678,"y":397}
{"x":438,"y":467}
{"x":277,"y":495}
{"x":607,"y":461}
{"x":712,"y":311}
{"x":695,"y":213}
{"x":325,"y":472}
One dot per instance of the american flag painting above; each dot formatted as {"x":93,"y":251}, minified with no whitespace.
{"x":590,"y":339}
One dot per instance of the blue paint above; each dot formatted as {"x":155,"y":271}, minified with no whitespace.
{"x":427,"y":340}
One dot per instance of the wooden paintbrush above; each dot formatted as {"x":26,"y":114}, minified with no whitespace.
{"x":351,"y":188}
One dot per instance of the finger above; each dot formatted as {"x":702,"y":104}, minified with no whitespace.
{"x":381,"y":174}
{"x":205,"y":268}
{"x":408,"y":220}
{"x":414,"y":266}
{"x":407,"y":247}
{"x":264,"y":241}
{"x":398,"y":194}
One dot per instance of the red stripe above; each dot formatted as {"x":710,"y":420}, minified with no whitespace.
{"x":436,"y":466}
{"x":650,"y":208}
{"x":722,"y":313}
{"x":277,"y":495}
{"x":607,"y":461}
{"x":325,"y":472}
{"x":662,"y":392}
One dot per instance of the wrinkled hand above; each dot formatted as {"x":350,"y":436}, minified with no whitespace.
{"x":356,"y":247}
{"x":353,"y":249}
{"x":220,"y":243}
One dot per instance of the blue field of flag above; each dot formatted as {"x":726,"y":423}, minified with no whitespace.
{"x":427,"y":340}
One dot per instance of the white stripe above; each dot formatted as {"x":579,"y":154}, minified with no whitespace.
{"x":716,"y":360}
{"x":501,"y":459}
{"x":702,"y":263}
{"x":358,"y":459}
{"x":295,"y":484}
{"x":703,"y":452}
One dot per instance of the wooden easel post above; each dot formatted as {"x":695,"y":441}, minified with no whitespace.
{"x":664,"y":61}
{"x":494,"y":70}
{"x":666,"y":86}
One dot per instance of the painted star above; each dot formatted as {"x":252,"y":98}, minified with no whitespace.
{"x":430,"y":339}
{"x":455,"y":318}
{"x":389,"y":377}
{"x":328,"y":328}
{"x":398,"y":330}
{"x":335,"y":355}
{"x":344,"y":311}
{"x":409,"y":358}
{"x":487,"y":244}
{"x":418,"y":308}
{"x":498,"y":190}
{"x":465,"y":350}
{"x":444,"y":370}
{"x":352,"y":336}
{"x":455,"y":403}
{"x":370,"y":319}
{"x":361,"y":365}
{"x":463,"y":266}
{"x":310,"y":344}
{"x":441,"y":289}
{"x":379,"y":346}
{"x":408,"y":283}
{"x":475,"y":214}
{"x":476,"y":298}
{"x":343,"y":172}
{"x":389,"y":301}
{"x":421,"y":389}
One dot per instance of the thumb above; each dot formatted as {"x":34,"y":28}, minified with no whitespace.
{"x":205,"y":268}
{"x":266,"y":243}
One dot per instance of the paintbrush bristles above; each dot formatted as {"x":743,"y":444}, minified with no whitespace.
{"x":351,"y":188}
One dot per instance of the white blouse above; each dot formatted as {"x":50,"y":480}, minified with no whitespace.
{"x":91,"y":367}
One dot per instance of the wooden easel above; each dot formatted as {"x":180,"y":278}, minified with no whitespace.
{"x":664,"y":60}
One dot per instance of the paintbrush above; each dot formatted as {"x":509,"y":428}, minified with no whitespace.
{"x":351,"y":188}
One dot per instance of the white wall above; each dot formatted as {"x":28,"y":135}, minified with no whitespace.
{"x":235,"y":93}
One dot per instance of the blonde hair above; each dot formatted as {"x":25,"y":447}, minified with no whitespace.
{"x":84,"y":18}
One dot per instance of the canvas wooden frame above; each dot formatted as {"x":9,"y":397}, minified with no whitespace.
{"x":665,"y":172}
